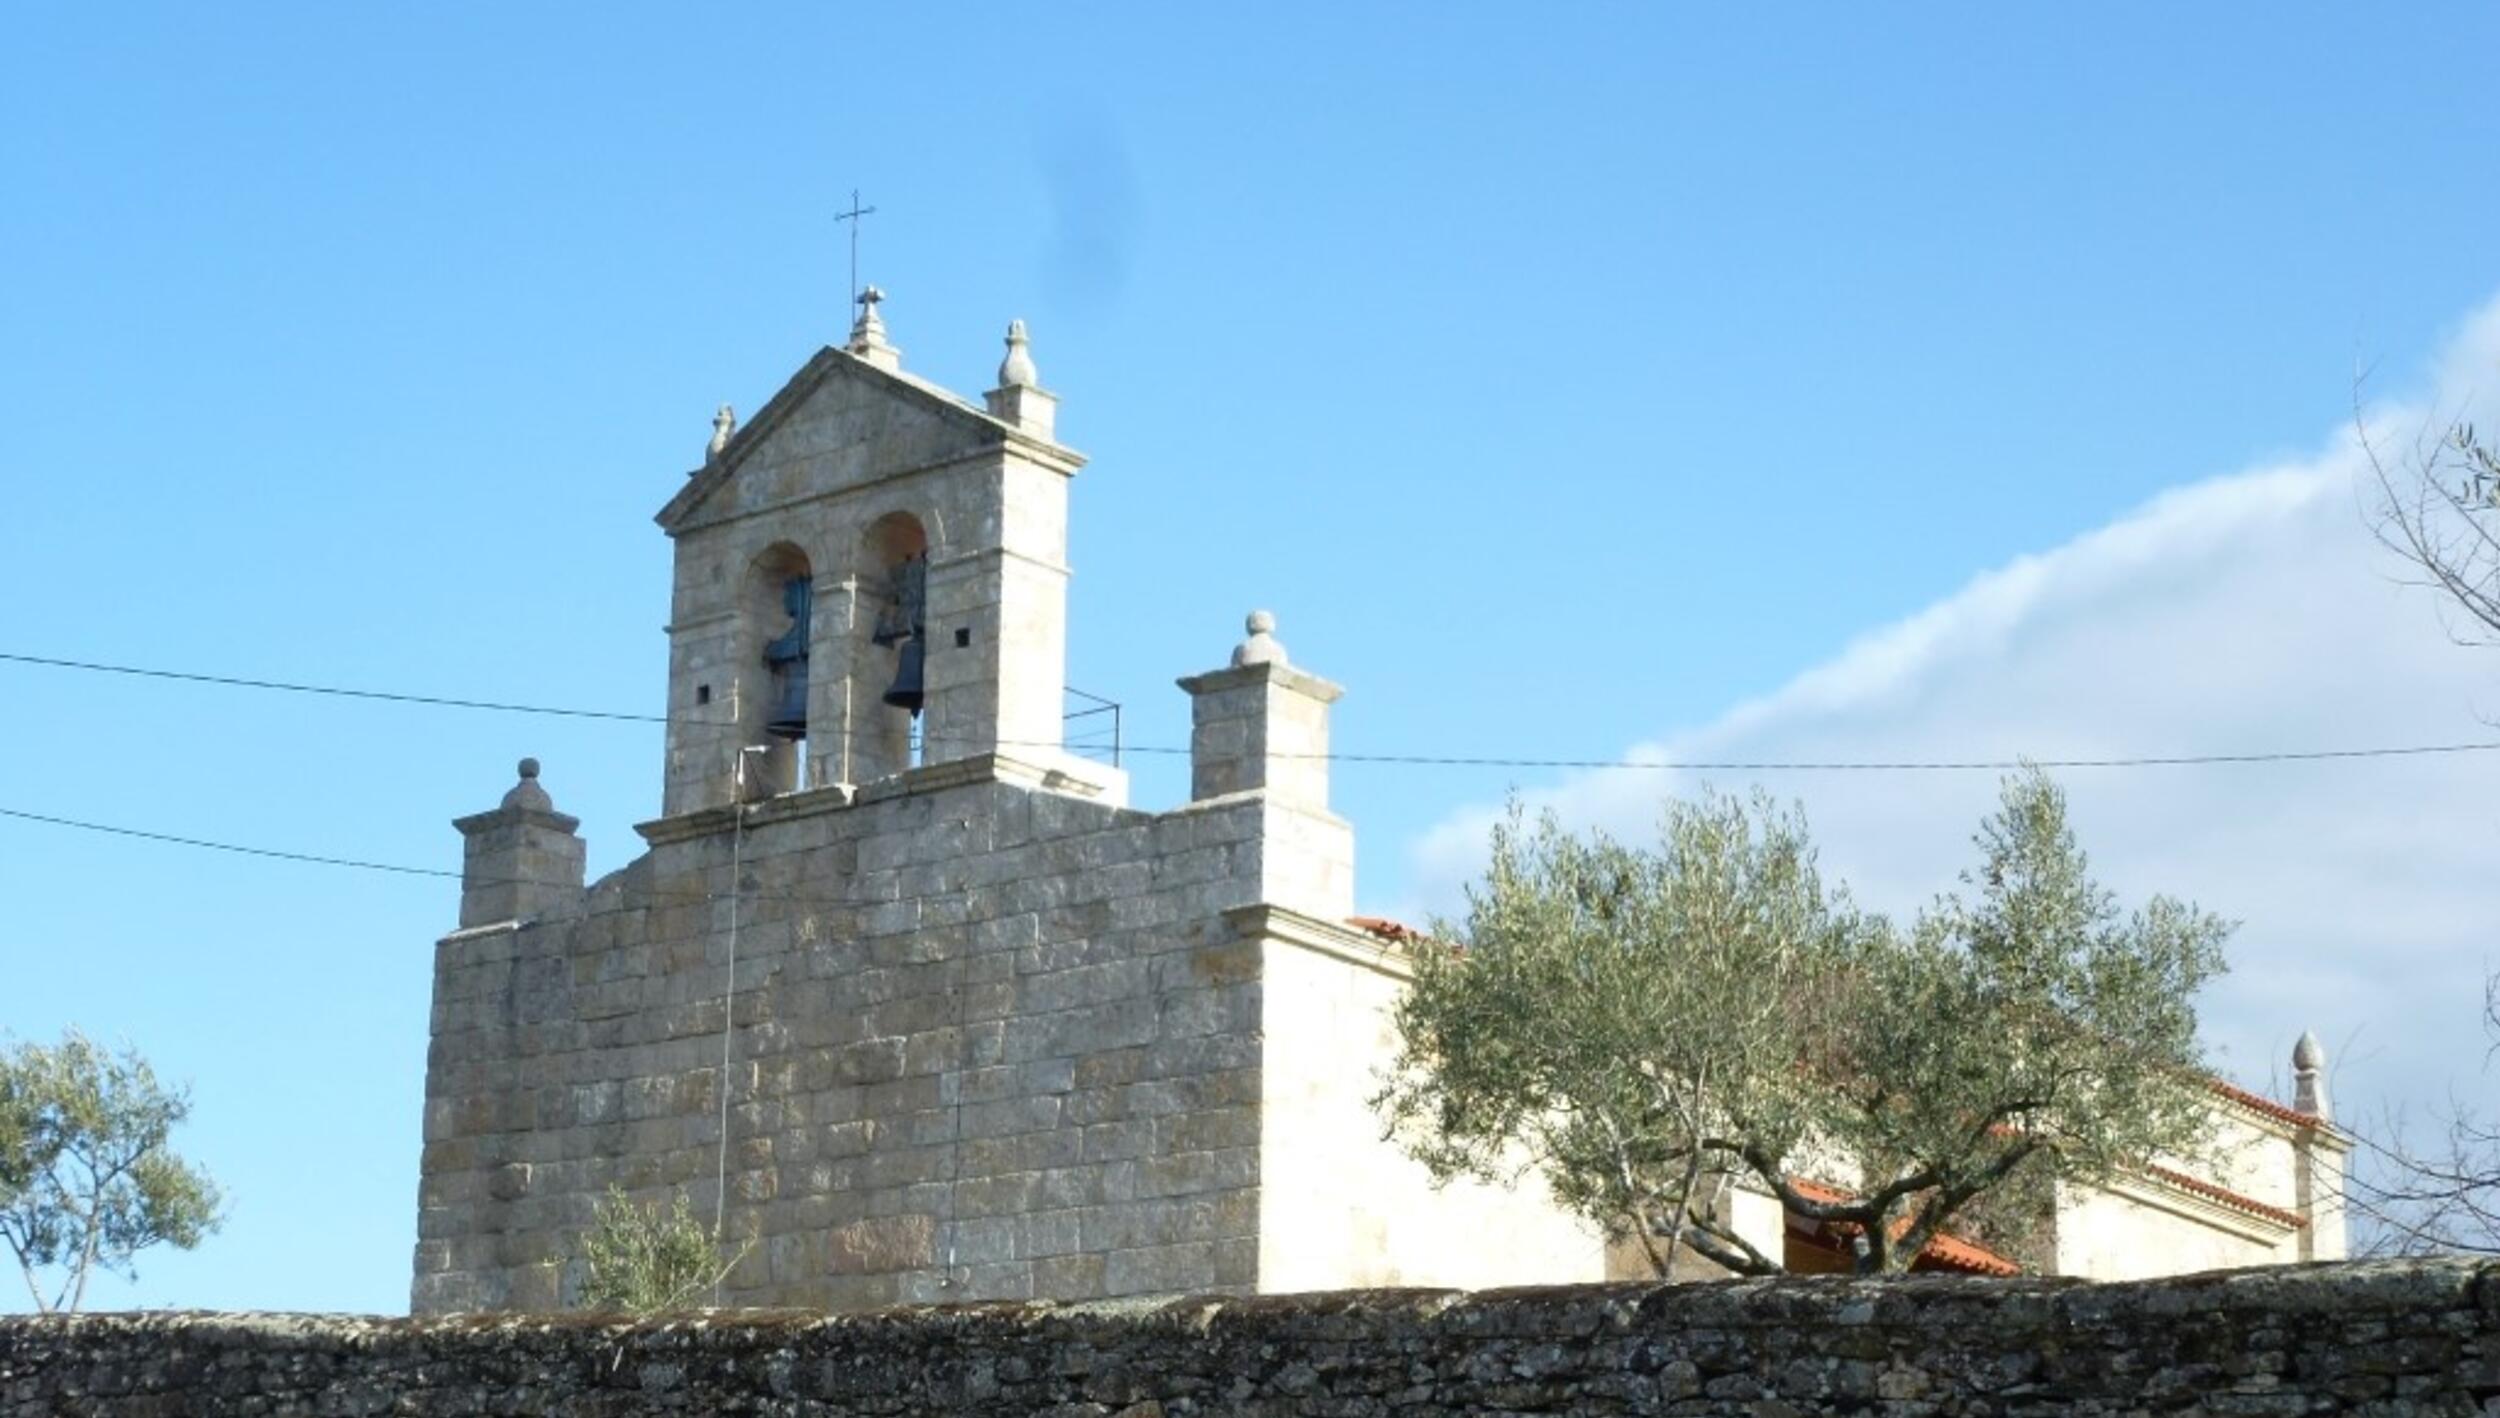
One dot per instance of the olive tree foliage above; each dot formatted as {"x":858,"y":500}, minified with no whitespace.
{"x":1558,"y":1031}
{"x":642,"y":1260}
{"x":87,"y":1176}
{"x":1653,"y":1028}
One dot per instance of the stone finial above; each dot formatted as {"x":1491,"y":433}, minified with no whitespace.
{"x":520,"y":861}
{"x":527,"y":793}
{"x":1261,"y":725}
{"x":1262,"y":648}
{"x":2309,"y":1077}
{"x":868,"y":339}
{"x":1016,"y":370}
{"x":1020,"y":398}
{"x":724,"y":423}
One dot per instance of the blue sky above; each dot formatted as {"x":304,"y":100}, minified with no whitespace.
{"x":1566,"y":383}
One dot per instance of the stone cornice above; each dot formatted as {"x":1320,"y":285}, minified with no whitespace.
{"x":493,"y":818}
{"x":2276,"y":1120}
{"x":1283,"y":676}
{"x":470,"y":933}
{"x":2163,"y":1195}
{"x":728,"y":616}
{"x":1025,"y":773}
{"x":1321,"y":937}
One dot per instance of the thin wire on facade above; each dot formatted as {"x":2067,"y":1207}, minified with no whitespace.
{"x":729,"y":999}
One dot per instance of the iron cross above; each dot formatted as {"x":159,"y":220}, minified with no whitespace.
{"x":852,"y":216}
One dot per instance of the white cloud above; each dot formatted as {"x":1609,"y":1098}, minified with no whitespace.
{"x":2245,"y":613}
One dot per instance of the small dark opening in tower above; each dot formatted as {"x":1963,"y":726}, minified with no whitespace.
{"x":702,"y":694}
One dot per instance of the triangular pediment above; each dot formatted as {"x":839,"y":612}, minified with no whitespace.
{"x":843,"y":422}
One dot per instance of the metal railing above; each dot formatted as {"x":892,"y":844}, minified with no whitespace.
{"x":1091,"y":729}
{"x":1092,"y":726}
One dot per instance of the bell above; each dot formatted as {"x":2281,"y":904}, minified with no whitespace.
{"x":904,"y":693}
{"x":789,"y":717}
{"x":786,"y":656}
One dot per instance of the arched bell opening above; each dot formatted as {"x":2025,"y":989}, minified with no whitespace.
{"x":776,"y":609}
{"x":894,"y":562}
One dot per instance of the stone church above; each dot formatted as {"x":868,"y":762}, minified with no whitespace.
{"x":906,"y":991}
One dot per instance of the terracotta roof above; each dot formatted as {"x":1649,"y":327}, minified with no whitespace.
{"x":2226,"y":1196}
{"x":2259,"y":1103}
{"x":1385,"y":928}
{"x":1944,"y":1248}
{"x":1968,"y":1255}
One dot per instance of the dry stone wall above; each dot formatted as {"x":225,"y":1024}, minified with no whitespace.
{"x":2396,"y":1339}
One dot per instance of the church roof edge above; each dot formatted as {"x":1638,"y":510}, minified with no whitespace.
{"x":2265,"y":1107}
{"x":834,"y":362}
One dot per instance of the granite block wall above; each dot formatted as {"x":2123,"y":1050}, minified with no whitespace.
{"x":989,"y":1042}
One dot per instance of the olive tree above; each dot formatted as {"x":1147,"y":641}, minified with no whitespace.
{"x":643,"y":1260}
{"x":87,"y":1176}
{"x":1653,"y":1028}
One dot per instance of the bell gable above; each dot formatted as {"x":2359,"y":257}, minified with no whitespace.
{"x":870,"y":578}
{"x":842,"y":423}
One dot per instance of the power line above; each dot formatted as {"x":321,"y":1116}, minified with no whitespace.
{"x":1416,"y":760}
{"x":235,"y":847}
{"x":651,"y":897}
{"x":388,"y":696}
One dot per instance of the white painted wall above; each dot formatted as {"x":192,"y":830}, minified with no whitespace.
{"x":2131,"y":1233}
{"x":1342,"y":1207}
{"x":2140,"y":1228}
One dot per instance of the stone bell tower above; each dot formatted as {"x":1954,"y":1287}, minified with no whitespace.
{"x":902,"y":989}
{"x":871,"y":549}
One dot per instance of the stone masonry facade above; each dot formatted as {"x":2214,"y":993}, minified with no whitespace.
{"x":987,"y":1040}
{"x":942,"y":1019}
{"x":2418,"y":1339}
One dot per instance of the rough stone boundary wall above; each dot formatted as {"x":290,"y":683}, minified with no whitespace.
{"x":2367,"y":1338}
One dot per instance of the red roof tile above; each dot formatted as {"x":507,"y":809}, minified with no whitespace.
{"x":2259,"y":1103}
{"x":2226,"y":1196}
{"x":1385,"y":928}
{"x":1968,"y":1255}
{"x":1943,"y":1248}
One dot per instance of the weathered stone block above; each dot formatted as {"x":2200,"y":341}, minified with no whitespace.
{"x":1152,"y":1270}
{"x":881,"y":1244}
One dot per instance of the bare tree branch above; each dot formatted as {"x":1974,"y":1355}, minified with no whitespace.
{"x":2438,"y":510}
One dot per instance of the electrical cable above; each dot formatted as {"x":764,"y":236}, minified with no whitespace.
{"x":652,"y":898}
{"x":285,"y":856}
{"x":1422,"y":760}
